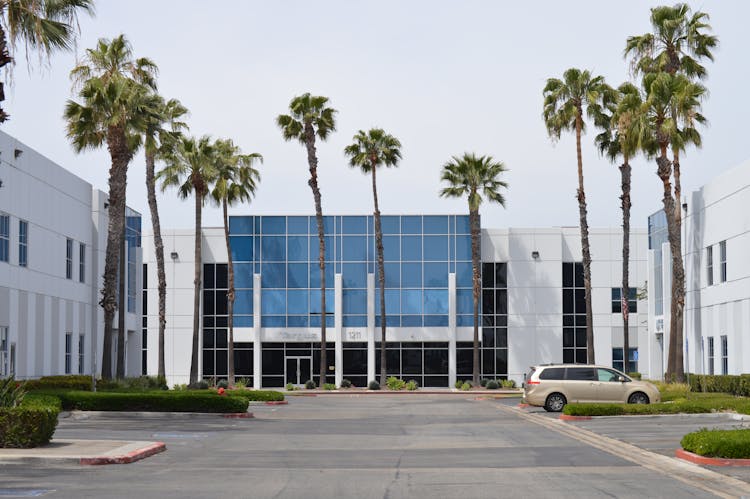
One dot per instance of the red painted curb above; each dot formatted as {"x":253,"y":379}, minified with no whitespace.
{"x":238,"y":415}
{"x":711,"y":461}
{"x":277,"y":402}
{"x":522,"y":405}
{"x":566,"y":417}
{"x":130,"y":457}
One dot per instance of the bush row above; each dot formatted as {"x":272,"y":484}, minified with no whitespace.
{"x":154,"y":401}
{"x":30,"y":424}
{"x":255,"y":395}
{"x":731,"y":444}
{"x":696,"y":406}
{"x":727,"y":383}
{"x":67,"y":382}
{"x":82,"y":382}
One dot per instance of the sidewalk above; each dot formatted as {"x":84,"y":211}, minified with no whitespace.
{"x":83,"y":452}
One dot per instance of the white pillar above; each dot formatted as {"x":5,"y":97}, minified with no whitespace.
{"x":370,"y":327}
{"x":451,"y":329}
{"x":257,"y":334}
{"x":338,"y":325}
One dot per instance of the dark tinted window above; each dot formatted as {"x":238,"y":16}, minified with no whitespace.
{"x":581,"y":374}
{"x":553,"y":373}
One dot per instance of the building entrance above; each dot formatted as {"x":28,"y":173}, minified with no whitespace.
{"x":298,"y":370}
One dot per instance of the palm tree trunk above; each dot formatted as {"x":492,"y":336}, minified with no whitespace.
{"x":381,"y":276}
{"x":159,"y":248}
{"x":230,"y":297}
{"x":312,"y":161}
{"x":5,"y":59}
{"x":585,"y":248}
{"x":625,"y":172}
{"x":121,"y":308}
{"x":476,"y":283}
{"x":120,"y":156}
{"x":678,"y":280}
{"x":197,"y":285}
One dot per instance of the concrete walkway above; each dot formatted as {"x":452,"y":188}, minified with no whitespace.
{"x":87,"y":452}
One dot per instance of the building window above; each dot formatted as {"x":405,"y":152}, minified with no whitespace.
{"x":82,"y":262}
{"x":68,"y":352}
{"x":69,"y":259}
{"x":4,"y":237}
{"x":710,"y":355}
{"x":144,"y":351}
{"x":494,"y":310}
{"x":617,"y":300}
{"x":23,"y":243}
{"x":574,"y":314}
{"x":724,"y":355}
{"x":617,"y":360}
{"x":723,"y":261}
{"x":81,"y":346}
{"x":710,"y":265}
{"x":144,"y":320}
{"x":4,"y":354}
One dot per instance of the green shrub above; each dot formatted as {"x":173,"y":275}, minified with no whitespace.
{"x":507,"y":383}
{"x":310,"y":384}
{"x":635,"y":376}
{"x":459,"y":383}
{"x":373,"y":385}
{"x":492,"y":385}
{"x":466,"y":386}
{"x":155,"y":401}
{"x":12,"y":392}
{"x":395,"y":384}
{"x":689,"y":406}
{"x":329,"y":386}
{"x":731,"y":444}
{"x":135,"y":384}
{"x":222,"y":384}
{"x":30,"y":424}
{"x":483,"y":382}
{"x":725,"y":383}
{"x":412,"y":385}
{"x":198,"y":385}
{"x":290,"y":387}
{"x":345,"y":383}
{"x":68,"y":382}
{"x":255,"y":395}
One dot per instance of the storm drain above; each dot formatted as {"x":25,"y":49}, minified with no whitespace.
{"x":24,"y":492}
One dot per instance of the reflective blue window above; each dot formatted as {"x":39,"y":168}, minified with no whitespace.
{"x":243,"y":275}
{"x":463,"y":275}
{"x":297,"y":321}
{"x":273,"y":301}
{"x":354,"y":301}
{"x":315,"y":321}
{"x":355,"y":225}
{"x":436,"y":320}
{"x":297,"y":248}
{"x":297,"y":225}
{"x":411,"y":275}
{"x":411,"y":321}
{"x":436,"y":275}
{"x":355,"y":275}
{"x":243,"y":321}
{"x":355,"y":320}
{"x":315,"y":301}
{"x":436,"y":248}
{"x":273,"y":248}
{"x":315,"y":246}
{"x":273,"y":275}
{"x":315,"y":275}
{"x":243,"y":302}
{"x":435,"y":224}
{"x":411,"y":225}
{"x":462,"y":224}
{"x":463,"y":248}
{"x":392,"y":276}
{"x":411,"y":301}
{"x":240,"y":225}
{"x":242,"y":248}
{"x":370,"y":225}
{"x":390,"y":321}
{"x":297,"y":274}
{"x":327,"y":225}
{"x":465,"y":320}
{"x":464,"y":301}
{"x":273,"y":225}
{"x":411,"y":248}
{"x":390,"y":225}
{"x":392,"y":302}
{"x":297,"y":302}
{"x":435,"y":301}
{"x":391,"y":249}
{"x":354,"y":248}
{"x":273,"y":320}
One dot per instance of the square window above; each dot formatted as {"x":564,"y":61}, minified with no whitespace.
{"x":297,"y":248}
{"x":297,"y":225}
{"x":411,"y":248}
{"x":354,"y":225}
{"x":436,"y":275}
{"x":436,"y":248}
{"x":242,"y":248}
{"x":355,"y":248}
{"x":297,"y":301}
{"x":411,"y":275}
{"x":463,"y":248}
{"x":354,"y":275}
{"x":273,"y":302}
{"x":464,"y":273}
{"x":273,"y":275}
{"x":273,"y":248}
{"x":435,"y":224}
{"x":411,"y":225}
{"x":391,"y":248}
{"x":411,"y":301}
{"x":273,"y":225}
{"x":435,"y":301}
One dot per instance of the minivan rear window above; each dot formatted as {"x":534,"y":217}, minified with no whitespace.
{"x":581,"y":374}
{"x":552,"y":373}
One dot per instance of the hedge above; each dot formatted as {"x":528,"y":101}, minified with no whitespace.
{"x":68,"y":382}
{"x":696,"y":406}
{"x":730,"y":444}
{"x":156,"y":401}
{"x":31,"y":424}
{"x":725,"y":383}
{"x":255,"y":395}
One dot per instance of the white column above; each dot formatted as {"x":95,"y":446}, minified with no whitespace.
{"x":370,"y":327}
{"x":451,"y":329}
{"x":258,"y":334}
{"x":338,"y":326}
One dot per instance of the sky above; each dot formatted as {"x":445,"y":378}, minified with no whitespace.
{"x":445,"y":77}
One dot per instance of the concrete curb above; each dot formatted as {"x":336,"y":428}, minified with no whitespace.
{"x":238,"y":415}
{"x":498,"y":393}
{"x":128,"y":458}
{"x":277,"y":402}
{"x":83,"y":415}
{"x":710,"y":461}
{"x":567,"y":417}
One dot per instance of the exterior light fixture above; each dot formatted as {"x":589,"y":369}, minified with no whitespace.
{"x":535,"y":255}
{"x":174,"y":255}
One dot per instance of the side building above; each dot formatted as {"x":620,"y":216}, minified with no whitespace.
{"x":532,"y":306}
{"x":53,"y":230}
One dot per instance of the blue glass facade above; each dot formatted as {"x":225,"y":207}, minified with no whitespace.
{"x":420,"y":251}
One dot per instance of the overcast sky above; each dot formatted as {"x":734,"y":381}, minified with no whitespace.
{"x":443,"y":76}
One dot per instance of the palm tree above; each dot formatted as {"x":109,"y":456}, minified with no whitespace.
{"x":369,"y":151}
{"x":678,"y":43}
{"x":44,"y":26}
{"x":191,"y":167}
{"x":236,"y":182}
{"x":309,"y":116}
{"x":113,"y":89}
{"x":623,"y":135}
{"x":477,"y":178}
{"x":564,"y":103}
{"x":163,"y":129}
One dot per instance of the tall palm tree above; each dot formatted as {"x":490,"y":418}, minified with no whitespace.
{"x":564,"y":103}
{"x":164,"y":126}
{"x":113,"y":89}
{"x":236,"y":182}
{"x":191,"y":167}
{"x":369,"y":151}
{"x":44,"y":26}
{"x":310,"y":117}
{"x":680,"y":40}
{"x":623,"y":135}
{"x":477,"y":178}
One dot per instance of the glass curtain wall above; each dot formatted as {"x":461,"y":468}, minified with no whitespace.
{"x":574,"y":314}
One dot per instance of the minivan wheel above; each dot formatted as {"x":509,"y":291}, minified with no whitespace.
{"x":638,"y":398}
{"x":555,"y":402}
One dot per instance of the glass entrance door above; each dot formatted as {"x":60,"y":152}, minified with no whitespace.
{"x":298,"y":370}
